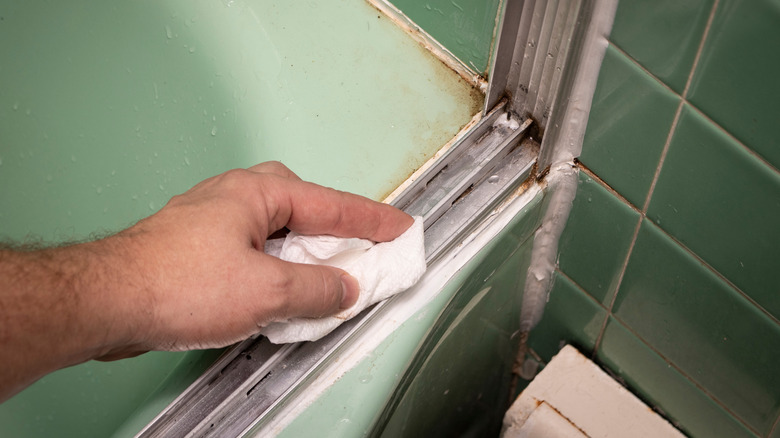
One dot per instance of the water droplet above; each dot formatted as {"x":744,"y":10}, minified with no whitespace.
{"x":186,"y":161}
{"x":493,"y":179}
{"x":214,"y":131}
{"x":151,"y":205}
{"x":28,"y":111}
{"x":531,"y":44}
{"x":99,"y":190}
{"x":49,"y":178}
{"x":192,"y":50}
{"x":16,"y":106}
{"x":168,"y":32}
{"x":73,"y":158}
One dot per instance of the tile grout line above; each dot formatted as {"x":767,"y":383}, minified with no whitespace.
{"x":579,"y":287}
{"x":643,"y":212}
{"x":731,"y":137}
{"x":592,"y":175}
{"x":663,"y":358}
{"x":683,"y":101}
{"x":717,"y":125}
{"x":687,"y":377}
{"x":774,"y":426}
{"x":690,"y":252}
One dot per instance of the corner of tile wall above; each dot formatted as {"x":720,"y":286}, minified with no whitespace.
{"x":672,"y":242}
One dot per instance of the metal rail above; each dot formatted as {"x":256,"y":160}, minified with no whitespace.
{"x":254,"y":377}
{"x":529,"y":75}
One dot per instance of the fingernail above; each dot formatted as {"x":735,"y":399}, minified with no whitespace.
{"x":351,"y":289}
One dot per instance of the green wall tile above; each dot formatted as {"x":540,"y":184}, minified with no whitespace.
{"x":570,"y":317}
{"x":662,"y":35}
{"x":664,"y":388}
{"x":595,"y":241}
{"x":464,"y":27}
{"x":723,"y":203}
{"x":627,"y":127}
{"x":736,"y":81}
{"x":703,"y":326}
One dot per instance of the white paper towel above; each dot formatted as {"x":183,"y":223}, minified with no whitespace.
{"x":382,"y":269}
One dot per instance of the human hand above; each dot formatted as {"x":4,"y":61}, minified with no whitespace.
{"x":203,"y":277}
{"x":193,"y":275}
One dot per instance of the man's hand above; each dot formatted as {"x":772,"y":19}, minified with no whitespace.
{"x":193,"y":275}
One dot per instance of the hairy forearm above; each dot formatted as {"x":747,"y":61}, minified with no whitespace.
{"x":53,"y":310}
{"x":193,"y":275}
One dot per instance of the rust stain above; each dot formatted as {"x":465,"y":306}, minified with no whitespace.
{"x":435,"y":132}
{"x":429,"y":44}
{"x":566,"y":418}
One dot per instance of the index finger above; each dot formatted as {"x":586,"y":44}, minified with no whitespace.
{"x":312,"y":209}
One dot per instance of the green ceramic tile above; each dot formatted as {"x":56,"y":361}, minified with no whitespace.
{"x":628,"y":126}
{"x":736,"y":80}
{"x":723,"y":203}
{"x":464,"y":27}
{"x":703,"y":326}
{"x":596,"y":238}
{"x":662,"y":35}
{"x":664,"y":388}
{"x":570,"y":317}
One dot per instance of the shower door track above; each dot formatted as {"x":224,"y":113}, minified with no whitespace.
{"x":537,"y":55}
{"x":461,"y":188}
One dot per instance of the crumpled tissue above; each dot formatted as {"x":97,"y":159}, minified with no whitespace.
{"x":382,"y":269}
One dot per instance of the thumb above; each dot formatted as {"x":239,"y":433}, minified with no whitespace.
{"x":315,"y":290}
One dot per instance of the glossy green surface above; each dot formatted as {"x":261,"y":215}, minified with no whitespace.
{"x":703,"y":326}
{"x":660,"y":384}
{"x":728,"y":213}
{"x":92,"y":399}
{"x":694,"y":337}
{"x":662,"y":35}
{"x":736,"y":82}
{"x":107,"y":109}
{"x":627,"y":127}
{"x":380,"y":394}
{"x":570,"y":317}
{"x":464,"y":27}
{"x":461,"y":386}
{"x":594,"y":244}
